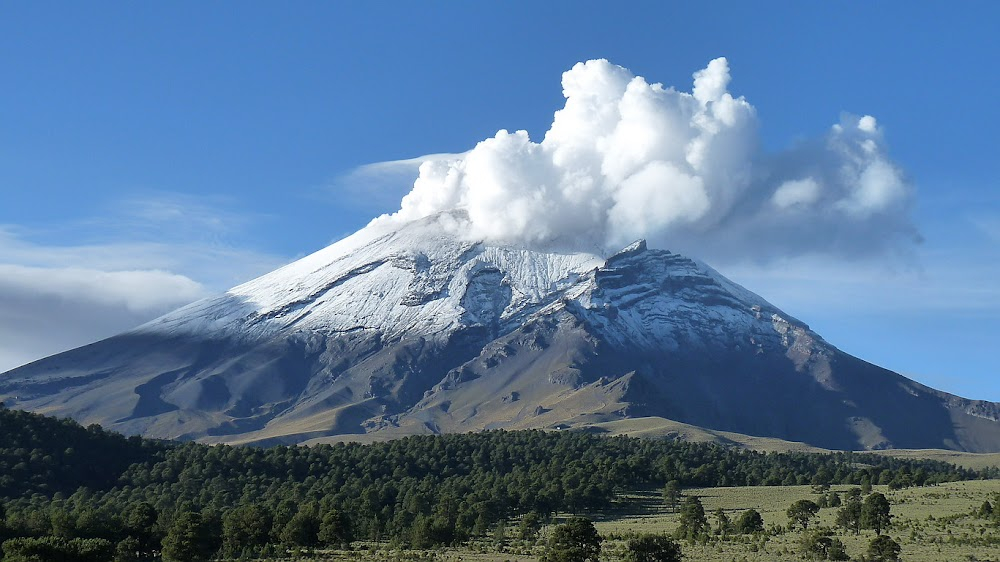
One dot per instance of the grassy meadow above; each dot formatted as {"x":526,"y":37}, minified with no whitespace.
{"x":932,"y":524}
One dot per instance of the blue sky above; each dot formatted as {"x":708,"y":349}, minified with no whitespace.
{"x":152,"y":153}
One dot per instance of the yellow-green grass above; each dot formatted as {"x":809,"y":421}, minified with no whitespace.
{"x":661,"y":428}
{"x":932,"y":524}
{"x":976,"y":461}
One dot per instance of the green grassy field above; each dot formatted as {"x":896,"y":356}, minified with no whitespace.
{"x":932,"y":524}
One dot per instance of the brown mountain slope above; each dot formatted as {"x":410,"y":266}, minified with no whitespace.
{"x":412,"y":333}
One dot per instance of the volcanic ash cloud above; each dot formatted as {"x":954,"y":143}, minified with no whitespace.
{"x":626,"y":159}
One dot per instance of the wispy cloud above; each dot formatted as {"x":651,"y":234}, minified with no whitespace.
{"x":71,"y":284}
{"x":378,"y":187}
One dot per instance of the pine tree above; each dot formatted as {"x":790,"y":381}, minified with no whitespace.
{"x":802,"y":512}
{"x":875,"y":513}
{"x":849,"y":516}
{"x":575,"y":541}
{"x":693,"y":523}
{"x":672,"y":495}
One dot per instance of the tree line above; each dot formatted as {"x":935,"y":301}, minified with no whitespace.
{"x":87,"y":490}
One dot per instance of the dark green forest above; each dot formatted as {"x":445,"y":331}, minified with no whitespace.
{"x":89,"y":494}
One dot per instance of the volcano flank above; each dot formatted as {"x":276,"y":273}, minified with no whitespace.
{"x":415,"y":329}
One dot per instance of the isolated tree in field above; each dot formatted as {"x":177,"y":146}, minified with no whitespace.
{"x":672,"y":495}
{"x":835,"y":500}
{"x":875,"y":513}
{"x":693,"y":523}
{"x":802,"y":512}
{"x":574,"y":541}
{"x":653,"y":548}
{"x":883,"y":549}
{"x":722,"y":523}
{"x":749,"y":522}
{"x":986,"y":510}
{"x":849,"y":516}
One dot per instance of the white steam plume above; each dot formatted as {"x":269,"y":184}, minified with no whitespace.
{"x":625,"y":159}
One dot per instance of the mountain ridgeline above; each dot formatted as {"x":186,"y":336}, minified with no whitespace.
{"x":415,"y":330}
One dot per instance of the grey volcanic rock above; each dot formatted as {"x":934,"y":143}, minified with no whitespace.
{"x":389,"y":333}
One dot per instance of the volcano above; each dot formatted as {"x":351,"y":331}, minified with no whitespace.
{"x":416,"y":329}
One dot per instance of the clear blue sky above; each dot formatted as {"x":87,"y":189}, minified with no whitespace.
{"x":209,"y":142}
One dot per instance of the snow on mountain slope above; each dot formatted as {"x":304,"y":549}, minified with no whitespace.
{"x":422,"y":281}
{"x":655,"y":299}
{"x":416,"y":281}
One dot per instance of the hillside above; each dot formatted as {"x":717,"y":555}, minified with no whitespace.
{"x":463,"y":485}
{"x":416,"y":330}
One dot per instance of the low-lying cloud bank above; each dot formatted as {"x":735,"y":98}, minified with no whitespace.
{"x":145,"y":257}
{"x":626,"y":159}
{"x":45,"y":310}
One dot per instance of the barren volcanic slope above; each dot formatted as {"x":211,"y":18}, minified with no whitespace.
{"x":392,"y":332}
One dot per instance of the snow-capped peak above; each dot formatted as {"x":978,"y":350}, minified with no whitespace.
{"x":417,"y":280}
{"x":422,"y":280}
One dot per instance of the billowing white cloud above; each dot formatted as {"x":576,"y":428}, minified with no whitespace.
{"x":624,"y":158}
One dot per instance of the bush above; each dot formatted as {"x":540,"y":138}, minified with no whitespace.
{"x":819,"y":544}
{"x":749,"y":522}
{"x":653,"y":548}
{"x":883,"y":549}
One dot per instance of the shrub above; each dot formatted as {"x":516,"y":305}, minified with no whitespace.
{"x":653,"y":548}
